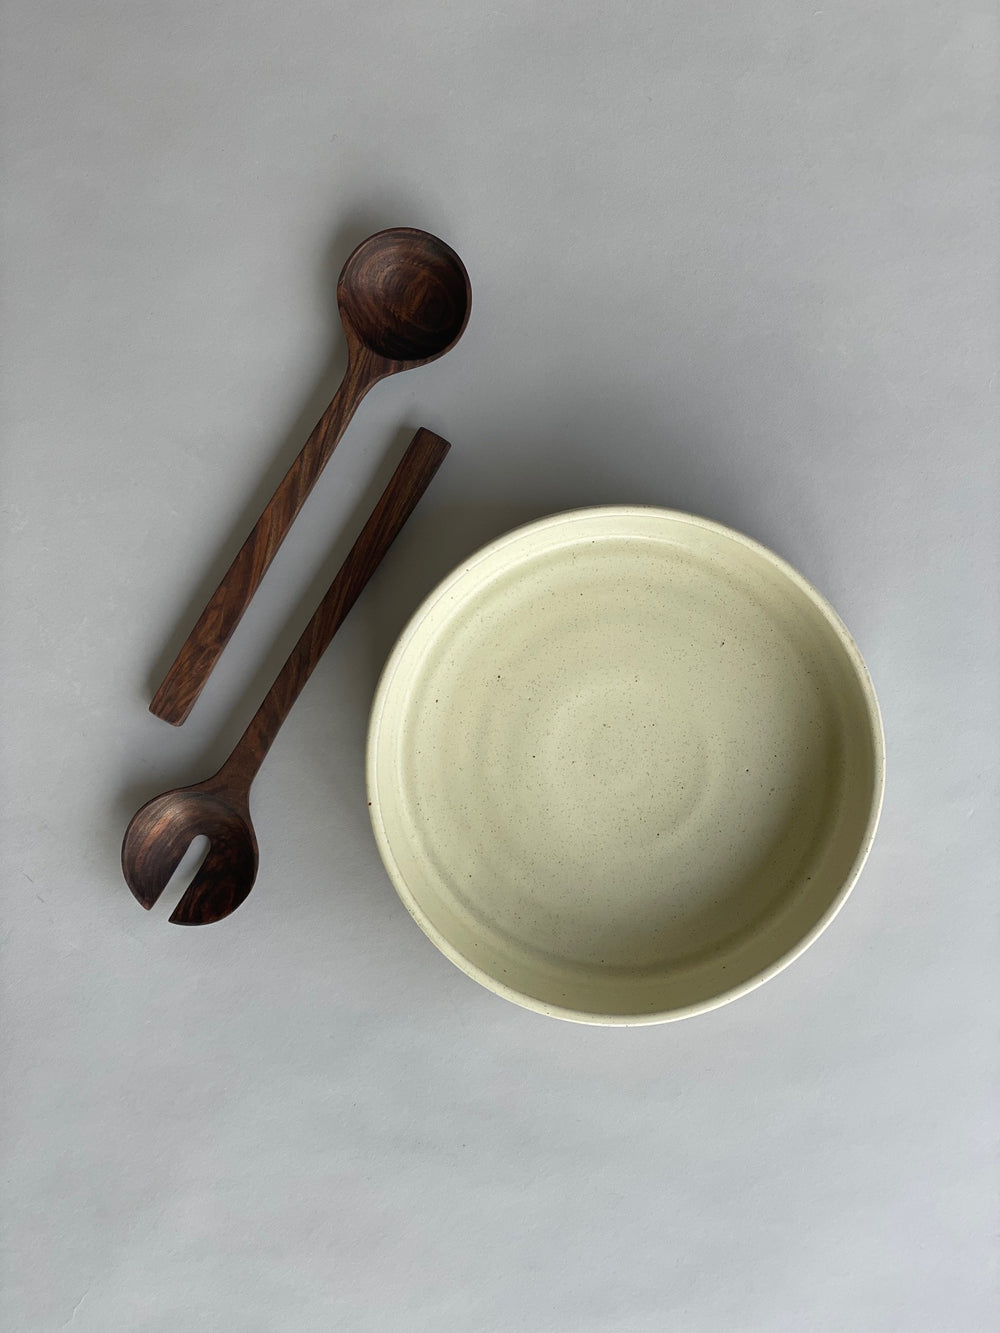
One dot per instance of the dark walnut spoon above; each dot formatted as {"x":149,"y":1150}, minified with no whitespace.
{"x":162,"y":830}
{"x":404,"y":299}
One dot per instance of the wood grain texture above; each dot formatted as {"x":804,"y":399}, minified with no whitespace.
{"x":423,"y":457}
{"x":404,"y":298}
{"x":162,"y":830}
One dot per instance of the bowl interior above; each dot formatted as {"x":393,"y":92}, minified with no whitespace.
{"x":623,"y":765}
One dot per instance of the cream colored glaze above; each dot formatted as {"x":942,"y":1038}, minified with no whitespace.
{"x":623,"y":765}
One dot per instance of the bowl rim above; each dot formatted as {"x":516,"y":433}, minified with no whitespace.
{"x":876,"y":737}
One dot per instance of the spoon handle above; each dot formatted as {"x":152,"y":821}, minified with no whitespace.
{"x":424,"y":455}
{"x":202,"y":648}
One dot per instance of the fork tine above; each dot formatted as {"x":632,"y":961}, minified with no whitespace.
{"x":222,"y":883}
{"x":152,"y":826}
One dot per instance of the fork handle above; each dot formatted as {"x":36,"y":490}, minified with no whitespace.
{"x":424,"y":455}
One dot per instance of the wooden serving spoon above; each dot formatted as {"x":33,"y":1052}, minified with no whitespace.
{"x":219,"y":808}
{"x":404,"y":300}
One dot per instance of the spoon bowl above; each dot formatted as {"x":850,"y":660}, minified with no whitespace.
{"x":405,"y":295}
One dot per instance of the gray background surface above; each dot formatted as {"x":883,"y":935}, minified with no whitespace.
{"x":737,"y":258}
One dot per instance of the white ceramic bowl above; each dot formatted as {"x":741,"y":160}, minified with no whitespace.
{"x":624,"y":765}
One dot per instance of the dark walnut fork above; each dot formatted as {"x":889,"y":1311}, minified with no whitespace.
{"x":219,"y":808}
{"x":404,"y":300}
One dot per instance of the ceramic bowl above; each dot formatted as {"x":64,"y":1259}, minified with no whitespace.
{"x":624,"y":765}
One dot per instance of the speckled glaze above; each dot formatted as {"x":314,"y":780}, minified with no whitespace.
{"x":624,"y":764}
